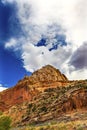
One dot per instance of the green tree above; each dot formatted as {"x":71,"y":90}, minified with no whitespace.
{"x":5,"y":123}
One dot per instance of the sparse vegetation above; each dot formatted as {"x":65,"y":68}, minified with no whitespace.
{"x":45,"y":101}
{"x":43,"y":109}
{"x":52,"y":102}
{"x":5,"y":123}
{"x":46,"y":104}
{"x":1,"y":113}
{"x":74,"y":125}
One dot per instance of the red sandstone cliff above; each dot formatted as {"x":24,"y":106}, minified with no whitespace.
{"x":45,"y":95}
{"x":29,"y":87}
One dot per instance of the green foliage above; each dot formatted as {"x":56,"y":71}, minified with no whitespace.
{"x":5,"y":123}
{"x":41,"y":128}
{"x":31,"y":108}
{"x":80,"y":128}
{"x":43,"y":109}
{"x":1,"y":113}
{"x":30,"y":105}
{"x":34,"y":108}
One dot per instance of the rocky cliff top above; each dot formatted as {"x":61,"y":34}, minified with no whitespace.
{"x":47,"y":74}
{"x":45,"y":95}
{"x":30,"y":86}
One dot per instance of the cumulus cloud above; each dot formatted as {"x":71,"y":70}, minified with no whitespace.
{"x":50,"y":20}
{"x":12,"y":43}
{"x":79,"y":58}
{"x":2,"y":88}
{"x":34,"y":57}
{"x":69,"y":14}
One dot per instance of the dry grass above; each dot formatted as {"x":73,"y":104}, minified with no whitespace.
{"x":74,"y":125}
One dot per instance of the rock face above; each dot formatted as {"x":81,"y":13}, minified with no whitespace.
{"x":16,"y":95}
{"x":48,"y":73}
{"x":52,"y":104}
{"x":29,"y":87}
{"x":45,"y":95}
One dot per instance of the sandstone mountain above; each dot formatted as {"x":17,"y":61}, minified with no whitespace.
{"x":44,"y":96}
{"x":47,"y":74}
{"x":28,"y":87}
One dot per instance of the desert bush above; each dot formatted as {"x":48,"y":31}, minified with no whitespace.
{"x":5,"y":123}
{"x":1,"y":113}
{"x":43,"y":109}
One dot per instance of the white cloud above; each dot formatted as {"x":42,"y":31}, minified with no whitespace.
{"x":12,"y":43}
{"x":40,"y":18}
{"x":71,"y":14}
{"x":2,"y":88}
{"x":35,"y":57}
{"x":78,"y":74}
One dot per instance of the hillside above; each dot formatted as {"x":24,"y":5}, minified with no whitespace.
{"x":49,"y":105}
{"x":46,"y":96}
{"x":29,"y":87}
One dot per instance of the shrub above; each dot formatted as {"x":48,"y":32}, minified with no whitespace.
{"x":1,"y":113}
{"x":43,"y":109}
{"x":5,"y":123}
{"x":34,"y":108}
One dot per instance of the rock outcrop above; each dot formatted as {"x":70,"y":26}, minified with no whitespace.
{"x":45,"y":95}
{"x":47,"y":74}
{"x":29,"y":87}
{"x":52,"y":104}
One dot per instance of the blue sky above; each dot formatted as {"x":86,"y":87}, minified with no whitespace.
{"x":34,"y":33}
{"x":11,"y":68}
{"x":8,"y":21}
{"x":11,"y":65}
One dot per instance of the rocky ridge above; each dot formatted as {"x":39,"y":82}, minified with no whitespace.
{"x":30,"y":86}
{"x":45,"y":95}
{"x":51,"y":104}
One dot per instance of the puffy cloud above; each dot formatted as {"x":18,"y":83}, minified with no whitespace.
{"x":12,"y":43}
{"x":50,"y":20}
{"x":71,"y":14}
{"x":2,"y":88}
{"x":79,"y":58}
{"x":78,"y":74}
{"x":35,"y":57}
